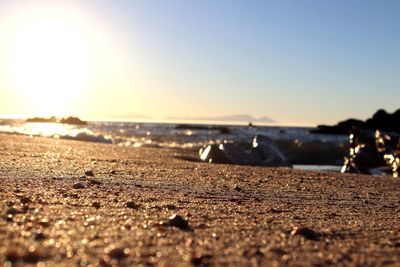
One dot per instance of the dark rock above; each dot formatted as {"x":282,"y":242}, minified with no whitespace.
{"x":39,"y":236}
{"x":131,"y":205}
{"x":307,"y":233}
{"x":25,"y":200}
{"x":96,"y":205}
{"x":78,"y":185}
{"x":69,"y":120}
{"x":203,"y":260}
{"x":237,"y":187}
{"x":221,"y":129}
{"x":372,"y":152}
{"x":380,"y":120}
{"x":12,"y":254}
{"x":73,"y":121}
{"x":44,"y":222}
{"x":224,"y":130}
{"x":12,"y":211}
{"x":95,"y":182}
{"x":39,"y":119}
{"x":112,"y":172}
{"x":178,"y":221}
{"x":118,"y":252}
{"x":171,"y":206}
{"x":33,"y":256}
{"x":89,"y":173}
{"x":275,"y":210}
{"x":262,"y":151}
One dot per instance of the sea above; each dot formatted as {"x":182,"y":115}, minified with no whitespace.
{"x":293,"y":140}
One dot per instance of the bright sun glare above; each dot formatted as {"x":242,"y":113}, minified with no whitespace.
{"x":49,"y":60}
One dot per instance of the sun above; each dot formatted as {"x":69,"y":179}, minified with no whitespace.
{"x":49,"y":60}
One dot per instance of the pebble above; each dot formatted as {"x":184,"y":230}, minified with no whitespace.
{"x":131,"y":205}
{"x":25,"y":200}
{"x":171,"y":206}
{"x":89,"y":173}
{"x":201,"y":260}
{"x":12,"y":211}
{"x":78,"y":185}
{"x":95,"y":182}
{"x":178,"y":221}
{"x":96,"y":205}
{"x":117,"y":252}
{"x":113,"y":172}
{"x":33,"y":256}
{"x":237,"y":187}
{"x":45,"y":222}
{"x":307,"y":233}
{"x":39,"y":236}
{"x":12,"y":254}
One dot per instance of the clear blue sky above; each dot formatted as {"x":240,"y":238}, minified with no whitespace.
{"x":309,"y":61}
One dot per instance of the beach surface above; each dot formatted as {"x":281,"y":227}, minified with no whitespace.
{"x":72,"y":203}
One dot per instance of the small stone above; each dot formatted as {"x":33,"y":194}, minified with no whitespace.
{"x":307,"y":233}
{"x":44,"y":222}
{"x":25,"y":200}
{"x":12,"y":211}
{"x":39,"y":236}
{"x":33,"y":256}
{"x":202,"y":260}
{"x":171,"y":206}
{"x":178,"y":221}
{"x":12,"y":254}
{"x":117,"y":252}
{"x":95,"y":182}
{"x":131,"y":205}
{"x":237,"y":187}
{"x":113,"y":172}
{"x":89,"y":173}
{"x":78,"y":185}
{"x":96,"y":205}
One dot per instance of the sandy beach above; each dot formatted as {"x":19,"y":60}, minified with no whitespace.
{"x":72,"y":203}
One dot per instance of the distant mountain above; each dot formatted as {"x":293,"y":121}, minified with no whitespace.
{"x":228,"y":118}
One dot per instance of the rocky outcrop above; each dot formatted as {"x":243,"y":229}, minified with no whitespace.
{"x":262,"y":152}
{"x":73,"y":120}
{"x":381,"y":120}
{"x":69,"y":120}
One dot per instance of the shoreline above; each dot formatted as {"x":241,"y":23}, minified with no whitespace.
{"x":55,"y":212}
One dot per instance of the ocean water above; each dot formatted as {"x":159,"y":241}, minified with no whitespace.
{"x":296,"y":142}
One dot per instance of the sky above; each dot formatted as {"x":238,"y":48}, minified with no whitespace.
{"x":297,"y":62}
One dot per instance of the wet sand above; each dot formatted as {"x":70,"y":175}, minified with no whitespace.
{"x":117,"y":214}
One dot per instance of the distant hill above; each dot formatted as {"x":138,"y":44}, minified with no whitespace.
{"x":228,"y":118}
{"x":381,"y":120}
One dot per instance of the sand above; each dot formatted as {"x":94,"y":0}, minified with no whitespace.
{"x":117,"y":214}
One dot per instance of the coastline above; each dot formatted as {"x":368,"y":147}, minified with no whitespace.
{"x":238,"y":215}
